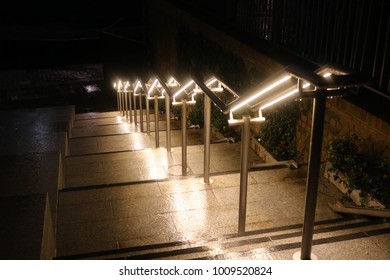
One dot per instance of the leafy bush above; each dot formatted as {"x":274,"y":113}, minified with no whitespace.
{"x":196,"y":114}
{"x":358,"y":170}
{"x":277,"y":135}
{"x":218,"y":120}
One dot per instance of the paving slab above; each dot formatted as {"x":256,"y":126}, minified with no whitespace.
{"x":203,"y":216}
{"x":34,"y":131}
{"x":146,"y":164}
{"x":122,"y":194}
{"x":36,"y":173}
{"x":27,"y":230}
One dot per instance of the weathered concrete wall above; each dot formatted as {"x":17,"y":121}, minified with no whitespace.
{"x":341,"y":116}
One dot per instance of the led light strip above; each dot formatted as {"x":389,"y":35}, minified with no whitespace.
{"x":152,"y":87}
{"x":272,"y":86}
{"x":137,"y":86}
{"x":183,"y":89}
{"x":283,"y":97}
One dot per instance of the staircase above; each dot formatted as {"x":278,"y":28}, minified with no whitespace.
{"x":269,"y":243}
{"x":124,"y":198}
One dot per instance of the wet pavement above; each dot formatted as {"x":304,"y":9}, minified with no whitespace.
{"x":31,"y":144}
{"x":80,"y":85}
{"x":121,"y":201}
{"x":113,"y":195}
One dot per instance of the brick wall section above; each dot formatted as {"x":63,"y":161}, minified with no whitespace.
{"x":342,"y":117}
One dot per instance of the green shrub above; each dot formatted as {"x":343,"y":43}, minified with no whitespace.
{"x":360,"y":170}
{"x":277,"y":135}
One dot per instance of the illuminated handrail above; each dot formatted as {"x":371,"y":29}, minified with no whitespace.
{"x":164,"y":86}
{"x":214,"y":98}
{"x":284,"y":84}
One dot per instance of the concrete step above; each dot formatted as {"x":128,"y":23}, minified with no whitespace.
{"x":131,"y":141}
{"x":27,"y":231}
{"x":105,"y":118}
{"x":96,"y":115}
{"x":118,"y":127}
{"x":146,"y":164}
{"x":257,"y":244}
{"x":32,"y":146}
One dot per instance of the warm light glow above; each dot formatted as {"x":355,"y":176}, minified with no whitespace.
{"x":119,"y":85}
{"x":211,"y":82}
{"x":272,"y":86}
{"x":127,"y":85}
{"x":326,"y":75}
{"x":172,"y":82}
{"x":183,"y":89}
{"x":114,"y":85}
{"x":137,"y":86}
{"x":294,"y":91}
{"x":153,"y":85}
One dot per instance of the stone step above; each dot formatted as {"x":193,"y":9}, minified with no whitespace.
{"x":35,"y":173}
{"x":96,"y":115}
{"x":116,"y":128}
{"x":147,"y":164}
{"x":105,"y":118}
{"x":257,"y":244}
{"x":27,"y":230}
{"x":130,"y":141}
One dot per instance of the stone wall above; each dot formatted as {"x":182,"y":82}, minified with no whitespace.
{"x":341,"y":116}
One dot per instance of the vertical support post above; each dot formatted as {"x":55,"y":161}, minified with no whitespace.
{"x":147,"y":115}
{"x":135,"y":109}
{"x":168,"y":119}
{"x":117,"y":101}
{"x":120,"y":101}
{"x":245,"y":134}
{"x":141,"y":113}
{"x":319,"y":107}
{"x":130,"y":105}
{"x":207,"y":136}
{"x":184,"y":137}
{"x":156,"y":124}
{"x":123,"y":103}
{"x":126,"y":93}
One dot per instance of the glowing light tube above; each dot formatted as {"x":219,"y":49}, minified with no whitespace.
{"x":127,"y":85}
{"x":288,"y":94}
{"x":137,"y":86}
{"x":211,"y":82}
{"x":152,"y":87}
{"x":183,"y":89}
{"x":260,"y":93}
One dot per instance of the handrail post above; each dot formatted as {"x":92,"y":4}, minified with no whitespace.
{"x":130,"y":106}
{"x":184,"y":137}
{"x":245,"y":137}
{"x":319,"y":107}
{"x":156,"y":124}
{"x":141,"y":113}
{"x":168,"y":120}
{"x":207,"y":136}
{"x":120,"y":102}
{"x":126,"y":94}
{"x":135,"y":108}
{"x":147,"y":115}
